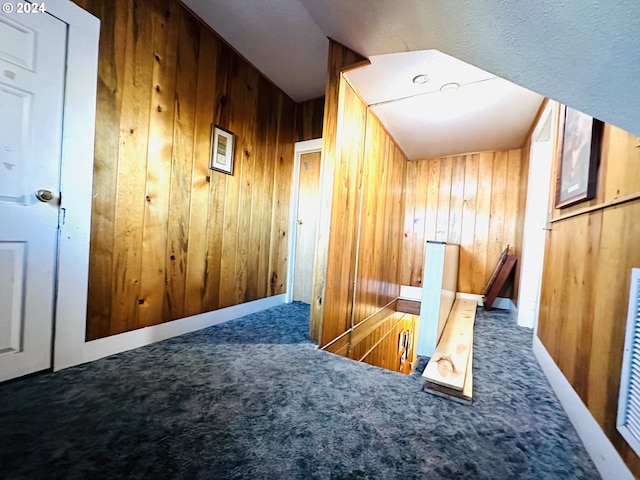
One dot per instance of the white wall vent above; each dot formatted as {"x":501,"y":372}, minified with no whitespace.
{"x":628,"y":422}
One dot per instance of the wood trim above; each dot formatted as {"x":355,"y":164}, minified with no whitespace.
{"x":375,"y":345}
{"x":537,"y":118}
{"x":409,"y":306}
{"x":75,"y":181}
{"x":600,"y":206}
{"x":363,"y":329}
{"x":338,"y":343}
{"x":371,"y":322}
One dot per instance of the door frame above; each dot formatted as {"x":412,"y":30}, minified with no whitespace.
{"x":306,"y":146}
{"x":76,"y":181}
{"x":533,"y":265}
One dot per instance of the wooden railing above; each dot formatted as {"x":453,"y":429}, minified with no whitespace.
{"x":385,"y":339}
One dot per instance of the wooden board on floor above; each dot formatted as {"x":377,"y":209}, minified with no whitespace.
{"x":466,"y":396}
{"x":447,"y":366}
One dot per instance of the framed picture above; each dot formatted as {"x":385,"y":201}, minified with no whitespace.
{"x":221,"y":156}
{"x":579,"y":156}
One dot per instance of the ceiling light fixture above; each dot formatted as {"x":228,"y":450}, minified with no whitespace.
{"x":420,"y":79}
{"x":449,"y":87}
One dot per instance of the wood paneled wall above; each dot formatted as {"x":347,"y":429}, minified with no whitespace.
{"x":340,"y":58}
{"x":380,"y":222}
{"x":309,"y":117}
{"x":366,"y":219}
{"x":171,"y":238}
{"x":585,"y":287}
{"x":384,"y":346}
{"x":476,"y":201}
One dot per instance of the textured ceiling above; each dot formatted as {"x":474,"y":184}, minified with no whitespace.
{"x":582,"y":53}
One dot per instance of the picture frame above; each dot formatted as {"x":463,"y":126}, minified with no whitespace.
{"x":580,"y":137}
{"x":222,"y":147}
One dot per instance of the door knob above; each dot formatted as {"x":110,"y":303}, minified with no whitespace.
{"x":44,"y":195}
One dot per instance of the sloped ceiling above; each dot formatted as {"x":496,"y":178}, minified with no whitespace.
{"x":585,"y":54}
{"x":478,"y":112}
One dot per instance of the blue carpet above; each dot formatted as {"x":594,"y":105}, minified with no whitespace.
{"x":254,"y":399}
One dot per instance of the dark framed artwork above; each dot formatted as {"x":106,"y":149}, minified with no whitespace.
{"x":221,"y":155}
{"x":579,"y":142}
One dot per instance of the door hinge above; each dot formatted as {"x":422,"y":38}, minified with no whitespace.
{"x":62,"y":215}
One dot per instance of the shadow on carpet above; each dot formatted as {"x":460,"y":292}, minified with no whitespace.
{"x":253,"y":399}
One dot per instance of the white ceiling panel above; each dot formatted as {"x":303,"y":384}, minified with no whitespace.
{"x":389,"y":77}
{"x":490,"y":115}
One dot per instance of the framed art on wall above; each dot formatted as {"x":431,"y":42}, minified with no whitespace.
{"x":578,"y":157}
{"x":221,"y":156}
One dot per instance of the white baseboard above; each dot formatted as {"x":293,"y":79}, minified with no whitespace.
{"x":410,"y":293}
{"x":499,"y":302}
{"x":104,"y":347}
{"x":604,"y":455}
{"x":415,"y":293}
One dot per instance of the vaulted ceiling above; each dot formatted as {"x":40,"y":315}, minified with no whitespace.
{"x":582,"y":53}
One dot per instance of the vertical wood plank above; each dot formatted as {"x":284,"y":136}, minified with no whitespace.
{"x":456,"y":201}
{"x":409,"y":216}
{"x":483,"y":211}
{"x":497,"y":210}
{"x":420,"y":220}
{"x":515,"y":208}
{"x":309,"y":115}
{"x":270,"y":104}
{"x":107,"y":144}
{"x":181,"y":168}
{"x":217,"y":184}
{"x":444,"y":200}
{"x":339,"y":58}
{"x":467,"y":254}
{"x":283,"y":178}
{"x":201,"y":175}
{"x":433,"y":194}
{"x":161,"y":124}
{"x":245,"y":269}
{"x":132,"y":158}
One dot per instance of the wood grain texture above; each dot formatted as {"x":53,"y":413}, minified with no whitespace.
{"x":362,"y":273}
{"x":339,"y":59}
{"x":159,"y":158}
{"x":449,"y":363}
{"x":345,"y":217}
{"x":472,"y":200}
{"x":107,"y":144}
{"x":170,"y":237}
{"x":587,"y":265}
{"x":466,"y":395}
{"x":309,"y":116}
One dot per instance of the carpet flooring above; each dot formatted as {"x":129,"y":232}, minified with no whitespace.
{"x":254,"y":399}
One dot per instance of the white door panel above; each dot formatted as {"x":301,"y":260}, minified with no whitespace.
{"x":32,"y":64}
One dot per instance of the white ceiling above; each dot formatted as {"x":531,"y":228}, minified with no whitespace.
{"x":582,"y":53}
{"x":484,"y":113}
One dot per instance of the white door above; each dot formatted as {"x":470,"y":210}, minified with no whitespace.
{"x":536,"y":218}
{"x":308,"y":214}
{"x":32,"y":63}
